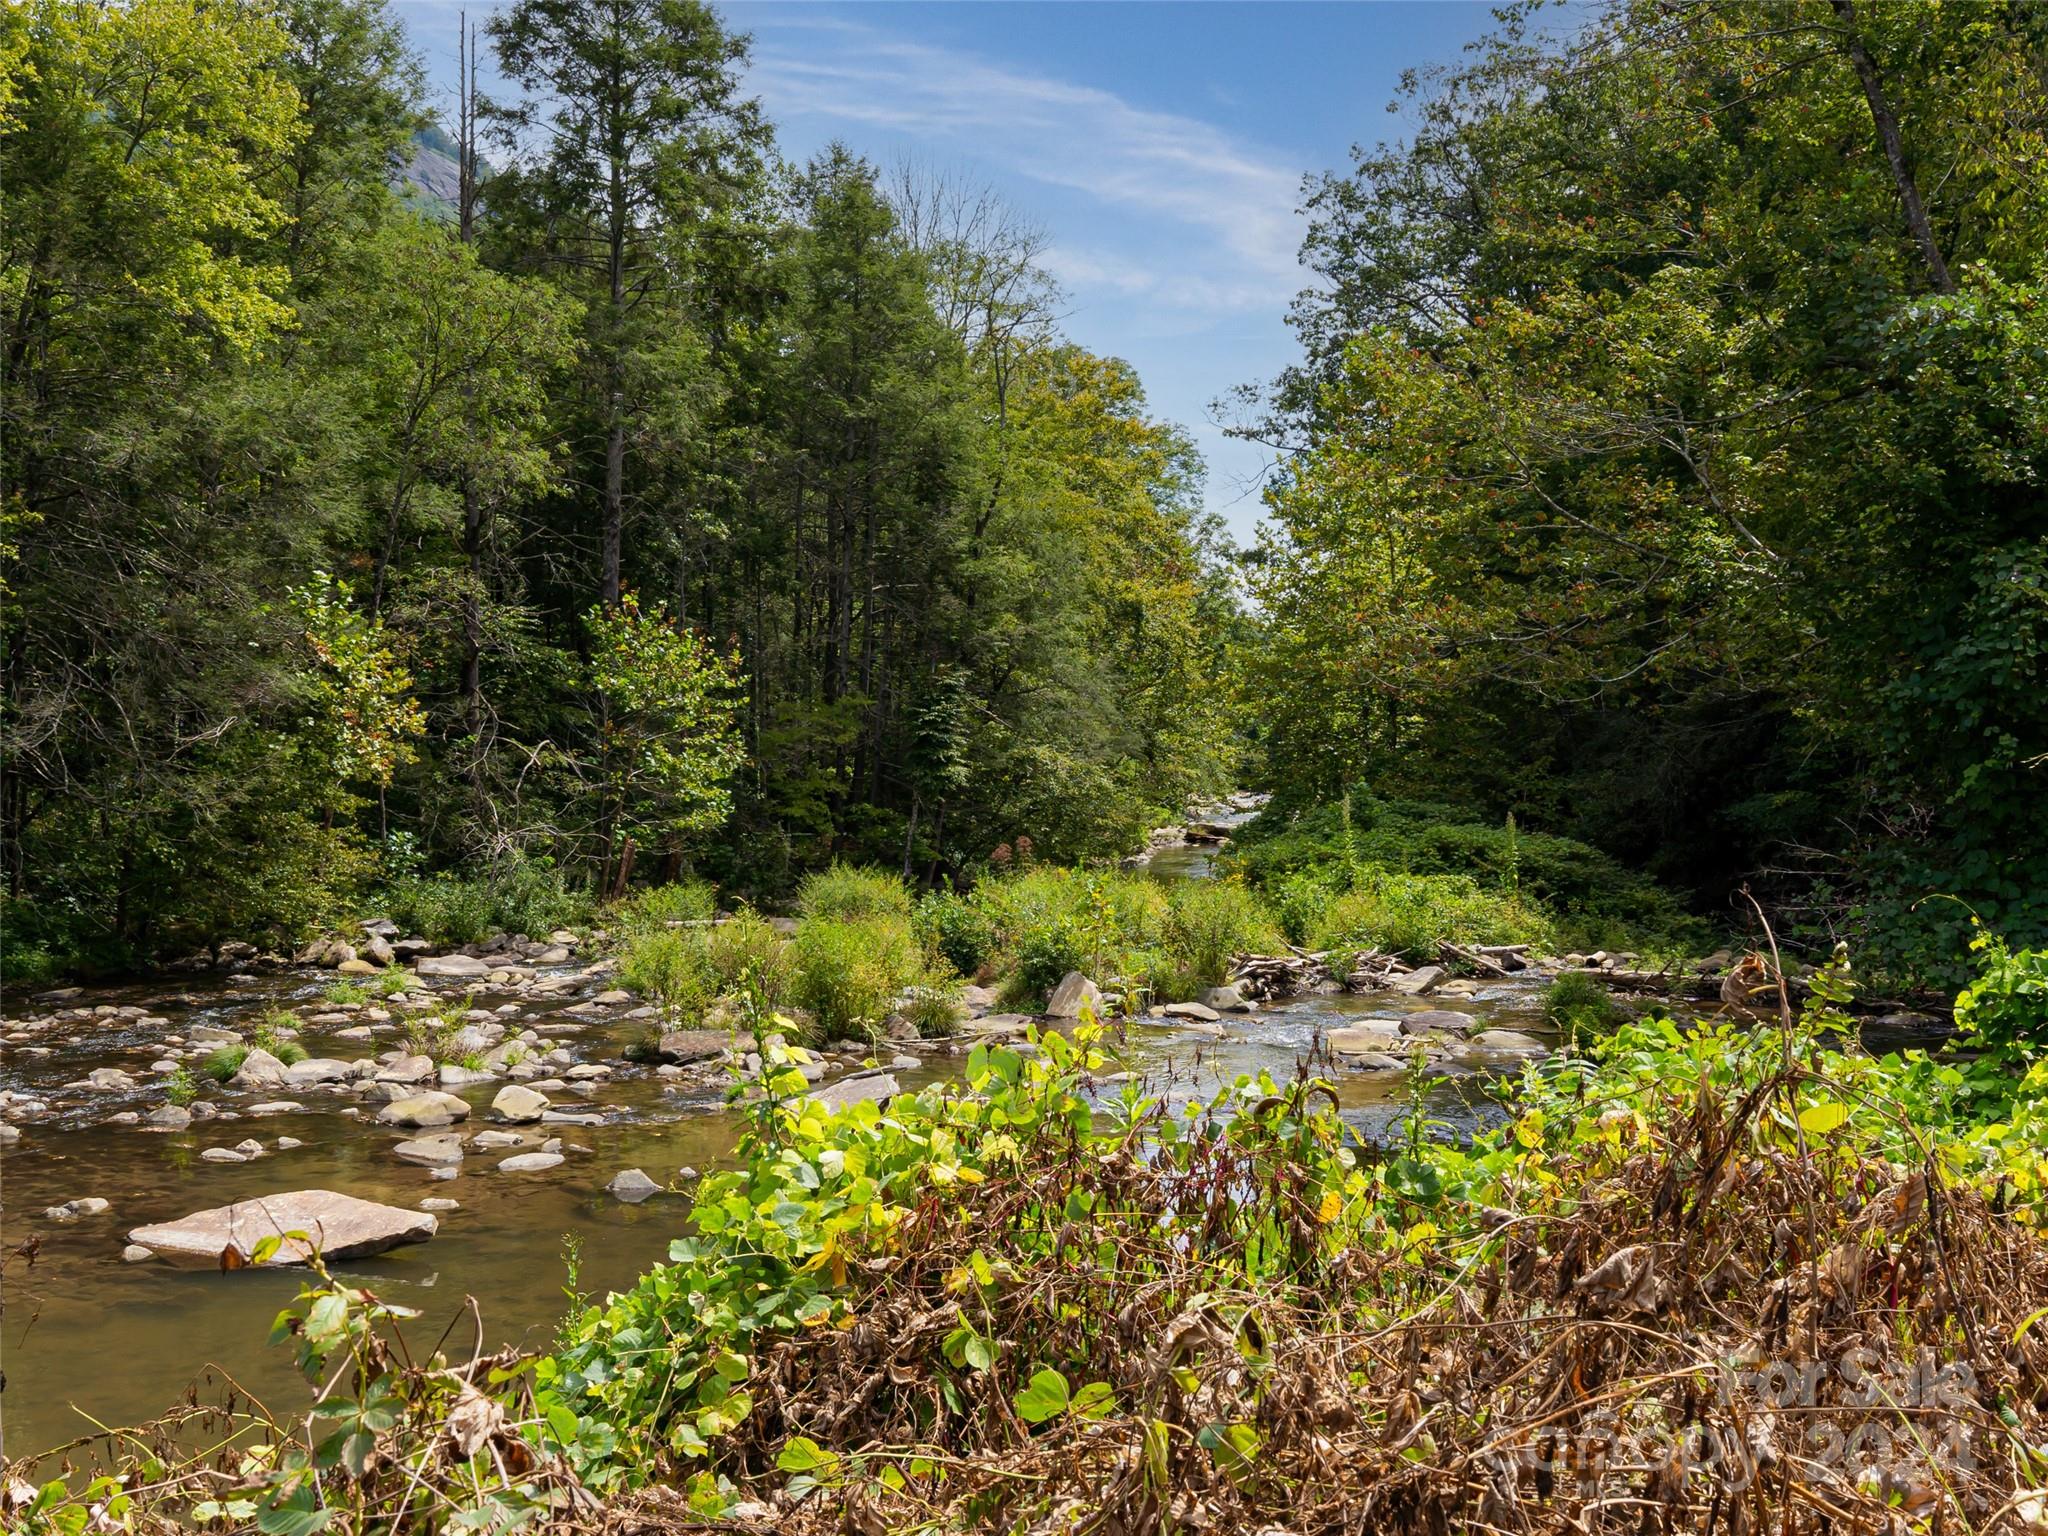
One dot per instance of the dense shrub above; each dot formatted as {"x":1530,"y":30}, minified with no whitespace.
{"x":1210,"y":921}
{"x":1407,"y":915}
{"x":444,"y":908}
{"x":848,"y":972}
{"x":843,"y":891}
{"x":519,"y":895}
{"x":1595,"y":897}
{"x":687,"y":901}
{"x":1580,"y":1007}
{"x":747,"y":945}
{"x":533,"y":897}
{"x":669,"y":968}
{"x":957,"y":929}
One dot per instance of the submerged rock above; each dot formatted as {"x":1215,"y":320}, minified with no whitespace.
{"x":79,"y":1209}
{"x":431,"y":1151}
{"x":1363,"y":1039}
{"x":1437,"y":1021}
{"x":337,"y":1226}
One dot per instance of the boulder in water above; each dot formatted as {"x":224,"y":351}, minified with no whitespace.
{"x":632,"y":1186}
{"x":878,"y":1086}
{"x":1074,"y":993}
{"x":462,"y":967}
{"x":425,"y":1109}
{"x":337,"y":1226}
{"x":1418,"y":983}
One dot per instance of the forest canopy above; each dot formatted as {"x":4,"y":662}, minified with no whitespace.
{"x":1666,"y":459}
{"x":639,"y":501}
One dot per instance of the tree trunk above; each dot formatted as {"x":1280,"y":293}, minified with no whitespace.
{"x":1894,"y":148}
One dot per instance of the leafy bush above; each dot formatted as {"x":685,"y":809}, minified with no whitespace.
{"x":533,"y":897}
{"x":1210,"y":921}
{"x":744,"y":945}
{"x":1048,"y":921}
{"x":669,"y":968}
{"x":848,"y":972}
{"x":1580,"y":1007}
{"x":687,"y":901}
{"x":443,"y":908}
{"x":1601,"y":899}
{"x":520,"y":895}
{"x":346,"y":991}
{"x":957,"y":929}
{"x":843,"y":891}
{"x":180,"y":1088}
{"x":1408,"y":914}
{"x":932,"y":1005}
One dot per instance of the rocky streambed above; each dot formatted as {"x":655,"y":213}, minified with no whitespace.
{"x":538,"y":1141}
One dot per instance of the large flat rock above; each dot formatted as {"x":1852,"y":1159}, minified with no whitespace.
{"x":461,"y":966}
{"x":338,"y":1226}
{"x":879,"y":1086}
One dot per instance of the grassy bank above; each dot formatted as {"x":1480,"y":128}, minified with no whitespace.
{"x":1702,"y":1271}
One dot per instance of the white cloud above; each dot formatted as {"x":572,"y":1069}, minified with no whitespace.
{"x":1230,"y":209}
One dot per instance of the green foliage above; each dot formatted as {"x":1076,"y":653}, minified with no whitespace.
{"x":357,"y":692}
{"x":847,"y":972}
{"x":531,"y":896}
{"x":2003,"y":1012}
{"x":223,"y":1064}
{"x":686,"y":901}
{"x":932,"y":1003}
{"x":956,"y":929}
{"x":842,"y":891}
{"x":1210,"y":921}
{"x":670,"y":969}
{"x":745,"y":950}
{"x":669,"y":742}
{"x":1581,"y":1008}
{"x":346,"y":991}
{"x":1409,"y":914}
{"x":1708,"y":550}
{"x":1292,"y":852}
{"x":445,"y":909}
{"x":180,"y":1088}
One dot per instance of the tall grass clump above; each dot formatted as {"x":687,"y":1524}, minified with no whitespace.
{"x":848,"y":972}
{"x":845,"y":891}
{"x":746,"y":944}
{"x":686,"y":901}
{"x":1210,"y":922}
{"x":1047,"y":921}
{"x":1580,"y":1007}
{"x":1408,"y":914}
{"x":669,"y":967}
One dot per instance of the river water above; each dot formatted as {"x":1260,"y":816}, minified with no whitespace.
{"x":87,"y":1338}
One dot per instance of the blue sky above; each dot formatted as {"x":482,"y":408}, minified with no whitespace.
{"x":1159,"y":146}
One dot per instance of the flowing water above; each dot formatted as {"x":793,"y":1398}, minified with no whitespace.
{"x":87,"y":1338}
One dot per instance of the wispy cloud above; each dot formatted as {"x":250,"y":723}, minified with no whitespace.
{"x":1227,"y":207}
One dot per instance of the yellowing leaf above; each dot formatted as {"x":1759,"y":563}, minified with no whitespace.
{"x":1823,"y":1118}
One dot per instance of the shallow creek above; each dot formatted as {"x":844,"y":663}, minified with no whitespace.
{"x":87,"y":1336}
